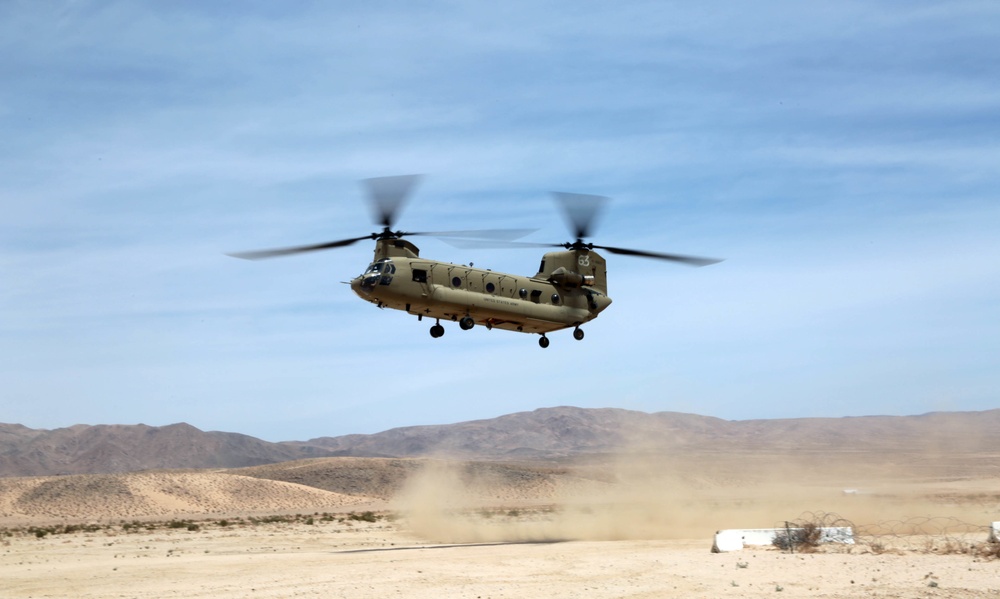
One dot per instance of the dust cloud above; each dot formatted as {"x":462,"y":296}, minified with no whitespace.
{"x":637,"y":495}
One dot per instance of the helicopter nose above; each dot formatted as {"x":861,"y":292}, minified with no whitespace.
{"x":357,"y":288}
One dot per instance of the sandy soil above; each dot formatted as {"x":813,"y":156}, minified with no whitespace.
{"x":631,"y":527}
{"x":359,"y":559}
{"x":156,"y":495}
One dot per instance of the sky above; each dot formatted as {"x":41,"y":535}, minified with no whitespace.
{"x":842,"y":157}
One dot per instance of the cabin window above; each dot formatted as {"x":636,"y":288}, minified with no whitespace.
{"x":419,"y":275}
{"x":536,"y":295}
{"x":523,"y":293}
{"x":490,"y":288}
{"x":456,"y":282}
{"x":555,"y":298}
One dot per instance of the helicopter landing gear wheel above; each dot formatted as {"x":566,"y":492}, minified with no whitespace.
{"x":466,"y":323}
{"x":437,"y":330}
{"x":578,"y":334}
{"x":543,"y":342}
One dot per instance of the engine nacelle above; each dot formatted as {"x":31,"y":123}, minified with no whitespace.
{"x":570,"y":280}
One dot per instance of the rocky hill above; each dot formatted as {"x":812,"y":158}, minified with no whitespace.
{"x":567,"y":431}
{"x":545,"y":433}
{"x":83,"y":449}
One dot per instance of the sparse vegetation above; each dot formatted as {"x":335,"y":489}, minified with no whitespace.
{"x":800,"y":537}
{"x":363,"y":516}
{"x":190,"y":525}
{"x":58,"y":529}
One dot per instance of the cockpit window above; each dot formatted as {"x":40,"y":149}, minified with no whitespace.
{"x":385,"y":266}
{"x":378,"y":273}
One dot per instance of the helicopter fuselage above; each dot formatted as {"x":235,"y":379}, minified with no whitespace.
{"x":569,"y":289}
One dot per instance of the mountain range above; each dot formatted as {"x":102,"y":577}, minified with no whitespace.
{"x":546,"y":433}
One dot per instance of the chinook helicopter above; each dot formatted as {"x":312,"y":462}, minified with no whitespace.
{"x":569,"y":289}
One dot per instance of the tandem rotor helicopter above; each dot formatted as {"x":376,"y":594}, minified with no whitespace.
{"x":570,"y":288}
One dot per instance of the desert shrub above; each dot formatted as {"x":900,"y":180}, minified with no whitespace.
{"x":991,"y":549}
{"x":363,"y":516}
{"x":803,"y":537}
{"x":806,"y":533}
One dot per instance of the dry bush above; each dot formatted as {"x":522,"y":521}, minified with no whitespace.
{"x":953,"y":546}
{"x":989,"y":550}
{"x":938,"y":535}
{"x":806,"y":534}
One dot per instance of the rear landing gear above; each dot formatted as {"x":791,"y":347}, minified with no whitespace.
{"x":543,"y":342}
{"x":578,"y":334}
{"x":466,"y":323}
{"x":437,"y":330}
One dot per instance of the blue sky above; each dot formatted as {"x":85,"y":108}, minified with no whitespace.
{"x":843,"y":157}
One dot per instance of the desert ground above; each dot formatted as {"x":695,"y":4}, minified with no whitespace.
{"x":630,"y":525}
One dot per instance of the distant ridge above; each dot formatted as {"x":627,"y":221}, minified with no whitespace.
{"x":566,"y":431}
{"x":106,"y":449}
{"x":543,"y":433}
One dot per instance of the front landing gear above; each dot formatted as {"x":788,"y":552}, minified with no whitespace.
{"x":578,"y":334}
{"x":437,"y":330}
{"x":543,"y":342}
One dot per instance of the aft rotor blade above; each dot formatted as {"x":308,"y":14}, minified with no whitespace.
{"x":387,"y":195}
{"x":689,"y":260}
{"x":581,"y":211}
{"x":495,"y":244}
{"x":300,"y":249}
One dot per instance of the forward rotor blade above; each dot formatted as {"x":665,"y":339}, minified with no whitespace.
{"x":276,"y":252}
{"x":497,"y":234}
{"x":689,"y":260}
{"x":387,"y":195}
{"x":581,"y":210}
